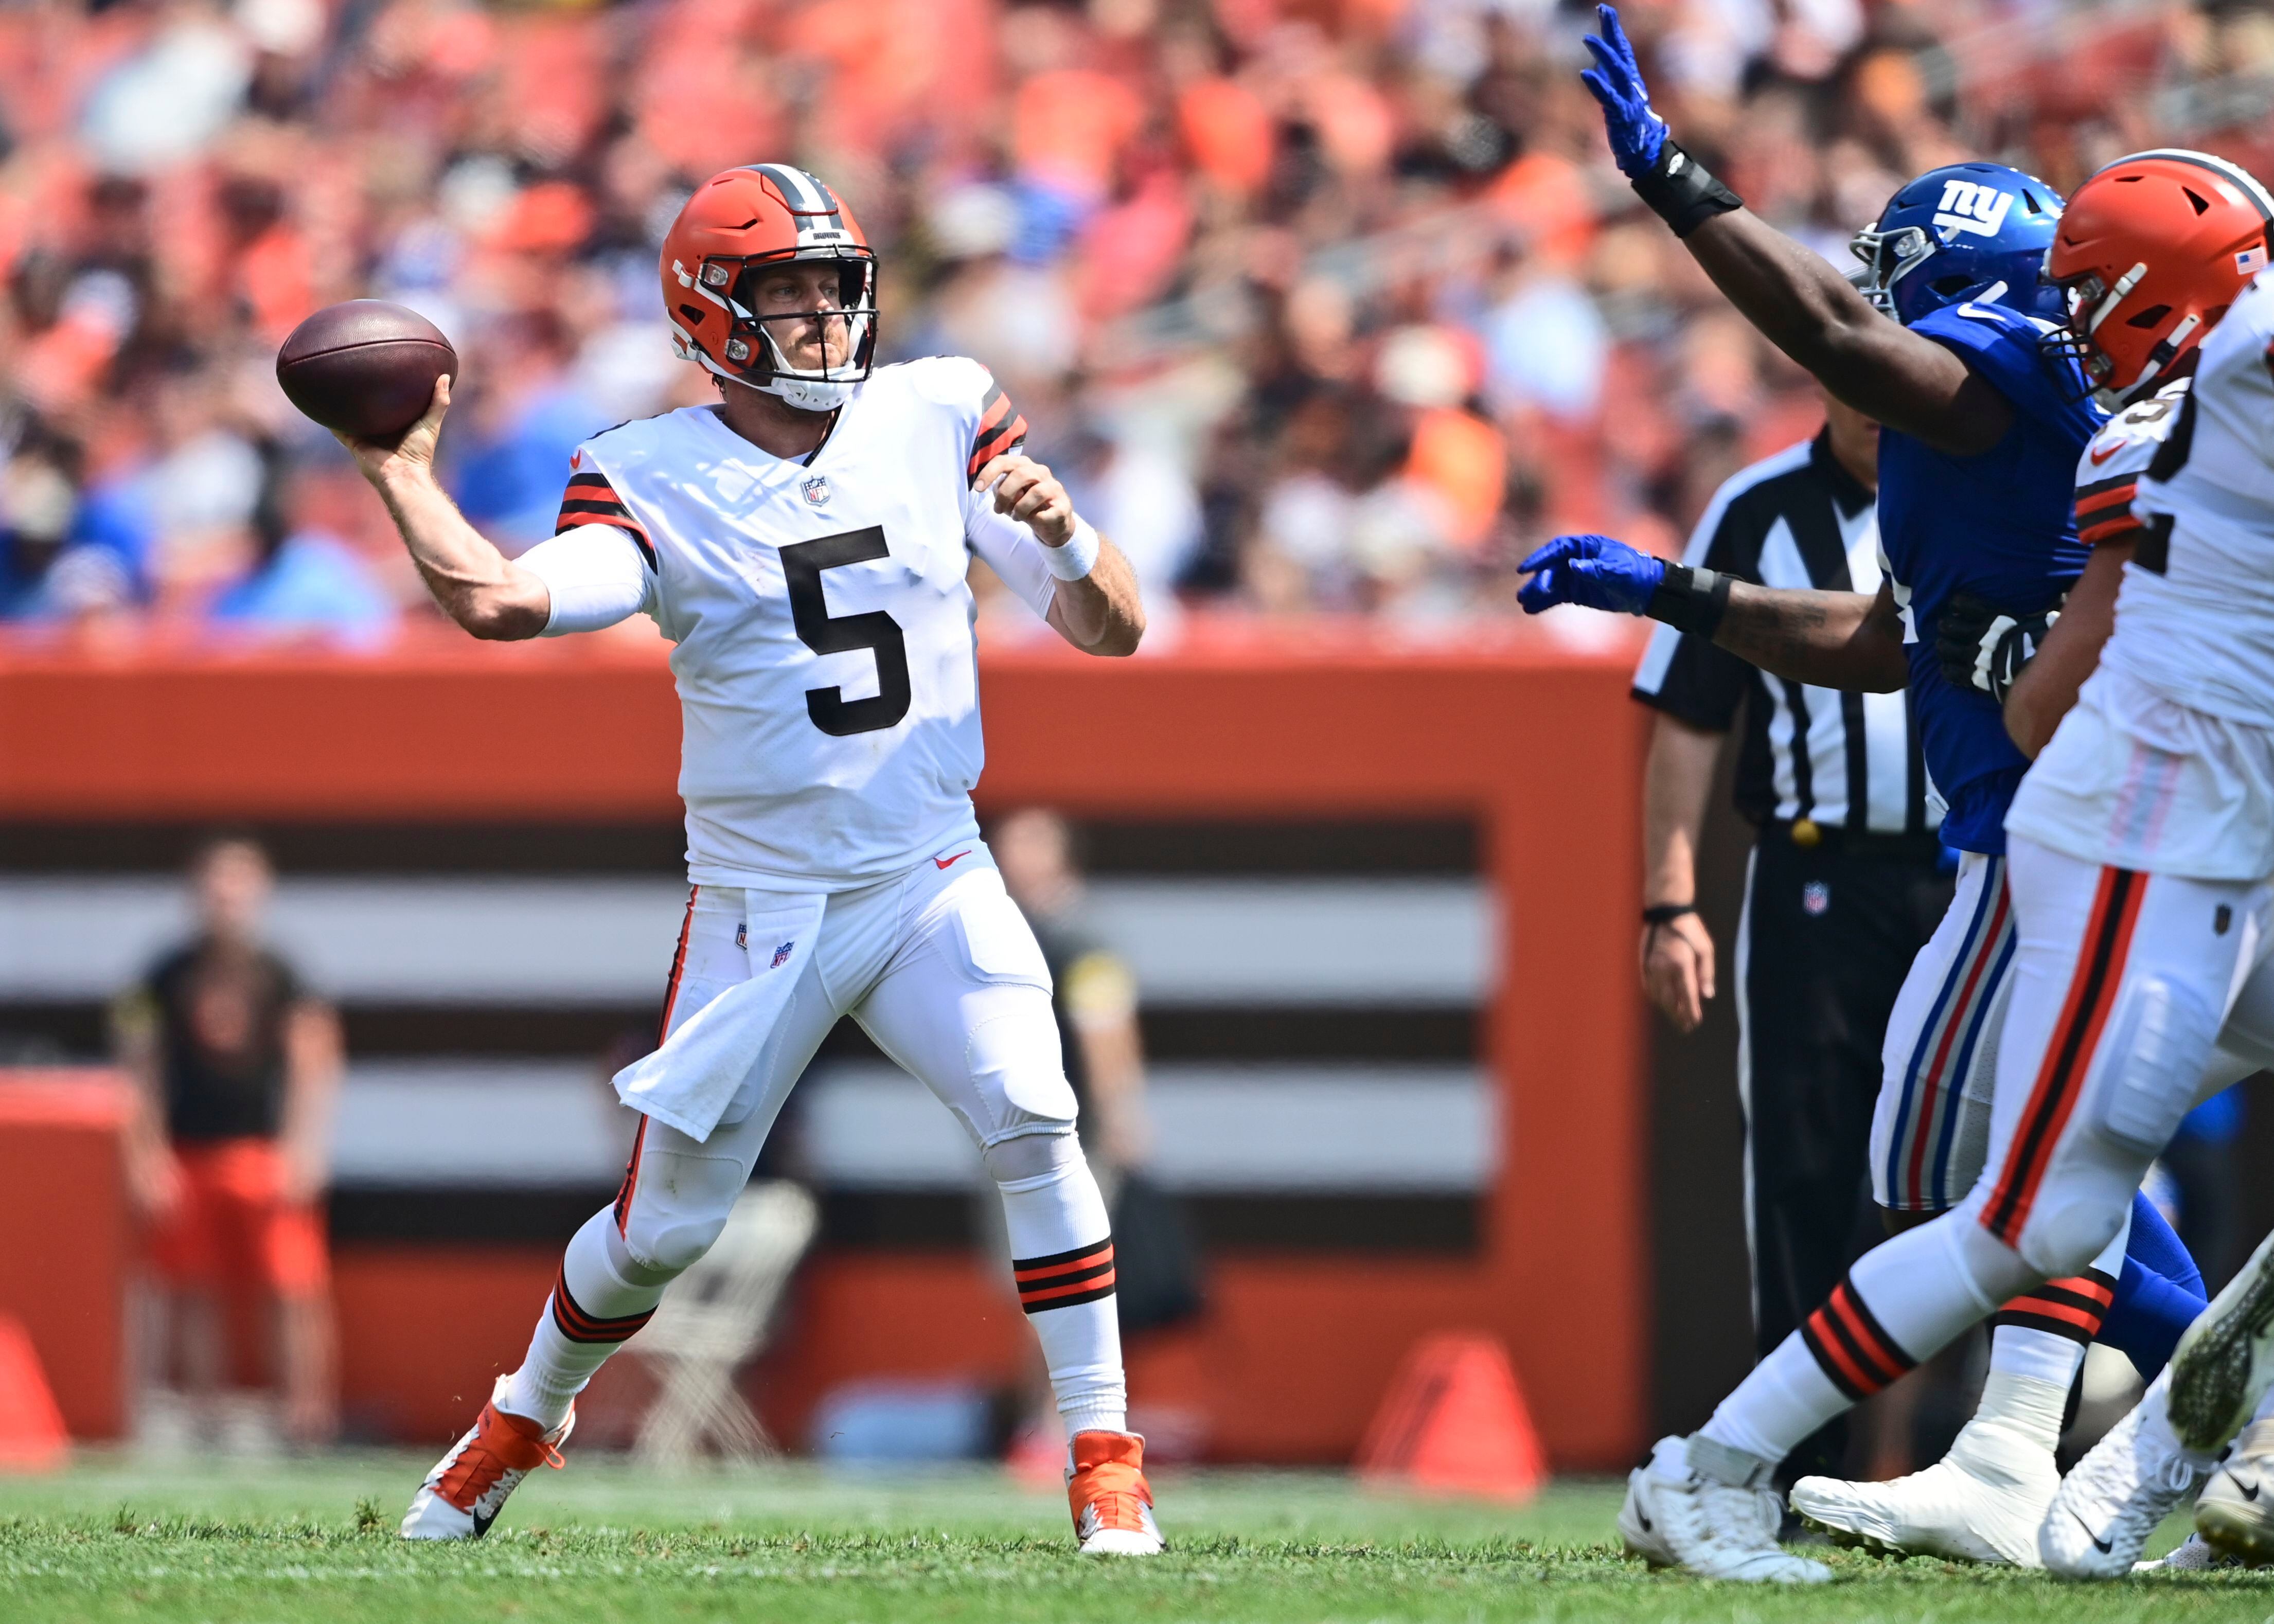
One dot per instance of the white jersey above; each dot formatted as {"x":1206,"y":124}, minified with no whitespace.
{"x":2194,"y":618}
{"x":2109,"y":472}
{"x":824,"y":652}
{"x":2166,"y":762}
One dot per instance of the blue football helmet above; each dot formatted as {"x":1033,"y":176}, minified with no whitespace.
{"x":1974,"y":231}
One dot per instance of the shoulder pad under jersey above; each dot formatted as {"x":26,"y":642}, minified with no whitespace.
{"x":2108,"y":473}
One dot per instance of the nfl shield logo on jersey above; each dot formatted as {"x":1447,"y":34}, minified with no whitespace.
{"x":1815,"y":897}
{"x":781,"y":954}
{"x":816,"y":492}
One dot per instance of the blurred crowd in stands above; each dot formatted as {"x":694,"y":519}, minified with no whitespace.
{"x":1321,"y":305}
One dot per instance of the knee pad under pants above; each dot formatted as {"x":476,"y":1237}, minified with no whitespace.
{"x":1031,"y":1155}
{"x":681,"y":1192}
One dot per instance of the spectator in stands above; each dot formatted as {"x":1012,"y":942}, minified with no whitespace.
{"x":1189,"y":220}
{"x":527,"y":416}
{"x":38,"y":503}
{"x":1141,"y":498}
{"x":236,"y":1067}
{"x":302,"y":581}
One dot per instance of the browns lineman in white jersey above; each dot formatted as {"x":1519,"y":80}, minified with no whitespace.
{"x":804,"y":543}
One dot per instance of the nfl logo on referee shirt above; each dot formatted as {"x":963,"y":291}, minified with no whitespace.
{"x":816,"y":492}
{"x":1815,"y":897}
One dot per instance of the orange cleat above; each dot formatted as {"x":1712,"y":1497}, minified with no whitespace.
{"x":1112,"y":1503}
{"x":468,"y":1487}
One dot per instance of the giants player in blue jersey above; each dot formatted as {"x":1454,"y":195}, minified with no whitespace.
{"x":1984,"y":428}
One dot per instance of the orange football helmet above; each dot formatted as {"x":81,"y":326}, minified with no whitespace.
{"x":2148,"y":256}
{"x":739,"y":222}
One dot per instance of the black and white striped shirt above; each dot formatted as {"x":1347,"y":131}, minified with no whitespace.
{"x":1796,"y":519}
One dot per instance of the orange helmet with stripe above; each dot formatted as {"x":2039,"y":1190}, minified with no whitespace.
{"x":738,"y":222}
{"x":2148,"y":256}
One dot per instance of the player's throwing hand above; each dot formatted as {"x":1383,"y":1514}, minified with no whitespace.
{"x":1031,"y":493}
{"x":413,"y":454}
{"x":1594,"y":572}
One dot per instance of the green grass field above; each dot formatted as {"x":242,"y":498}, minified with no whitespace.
{"x":112,"y":1540}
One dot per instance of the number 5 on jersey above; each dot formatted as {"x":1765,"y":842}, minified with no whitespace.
{"x":802,"y":562}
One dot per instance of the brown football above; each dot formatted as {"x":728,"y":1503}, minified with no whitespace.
{"x":364,"y":367}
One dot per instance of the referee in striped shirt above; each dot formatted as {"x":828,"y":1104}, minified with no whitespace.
{"x":1843,"y":887}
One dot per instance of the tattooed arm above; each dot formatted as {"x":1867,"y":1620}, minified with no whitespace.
{"x":1842,"y":640}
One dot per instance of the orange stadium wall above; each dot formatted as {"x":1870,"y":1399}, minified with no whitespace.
{"x":60,"y":1163}
{"x":1539,"y":746}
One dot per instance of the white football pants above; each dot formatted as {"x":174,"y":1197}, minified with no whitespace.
{"x":939,"y":967}
{"x":2134,"y":996}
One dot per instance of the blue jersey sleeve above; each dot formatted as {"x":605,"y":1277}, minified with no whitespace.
{"x":2009,"y":348}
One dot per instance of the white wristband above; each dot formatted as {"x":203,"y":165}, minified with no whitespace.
{"x":1078,"y":557}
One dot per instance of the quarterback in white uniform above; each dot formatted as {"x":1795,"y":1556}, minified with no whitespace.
{"x":804,"y":545}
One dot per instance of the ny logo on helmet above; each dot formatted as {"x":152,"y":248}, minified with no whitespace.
{"x":1969,"y":206}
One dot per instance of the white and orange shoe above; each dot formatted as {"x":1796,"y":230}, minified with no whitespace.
{"x":468,"y":1487}
{"x":1112,"y":1503}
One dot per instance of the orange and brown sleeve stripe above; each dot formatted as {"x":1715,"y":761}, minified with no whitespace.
{"x":2104,"y":508}
{"x":579,"y":1327}
{"x":2075,"y":1308}
{"x":591,"y":500}
{"x":1001,"y":429}
{"x":1851,"y":1345}
{"x":1065,"y":1278}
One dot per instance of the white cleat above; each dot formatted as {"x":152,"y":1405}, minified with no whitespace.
{"x":1983,"y":1502}
{"x":1675,"y":1517}
{"x":2234,"y":1515}
{"x":2225,"y":1361}
{"x":468,"y":1487}
{"x":2116,"y":1498}
{"x":2193,"y":1554}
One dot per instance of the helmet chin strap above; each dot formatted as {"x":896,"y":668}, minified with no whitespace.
{"x":804,"y":394}
{"x":798,"y":389}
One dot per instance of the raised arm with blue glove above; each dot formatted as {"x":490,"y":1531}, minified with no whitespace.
{"x":1789,"y":291}
{"x":1663,"y":175}
{"x":1636,"y":133}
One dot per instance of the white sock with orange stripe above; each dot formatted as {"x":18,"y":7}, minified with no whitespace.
{"x":593,"y":1311}
{"x":1903,"y":1302}
{"x":1062,"y":1259}
{"x":2037,"y":1343}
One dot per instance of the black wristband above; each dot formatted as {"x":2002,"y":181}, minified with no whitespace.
{"x":1667,"y":913}
{"x":1689,"y":600}
{"x":1682,"y":192}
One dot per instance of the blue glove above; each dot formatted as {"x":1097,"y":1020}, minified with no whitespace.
{"x":1636,"y":133}
{"x":1592,"y":571}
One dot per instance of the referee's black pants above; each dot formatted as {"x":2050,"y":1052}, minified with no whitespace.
{"x":1827,"y":934}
